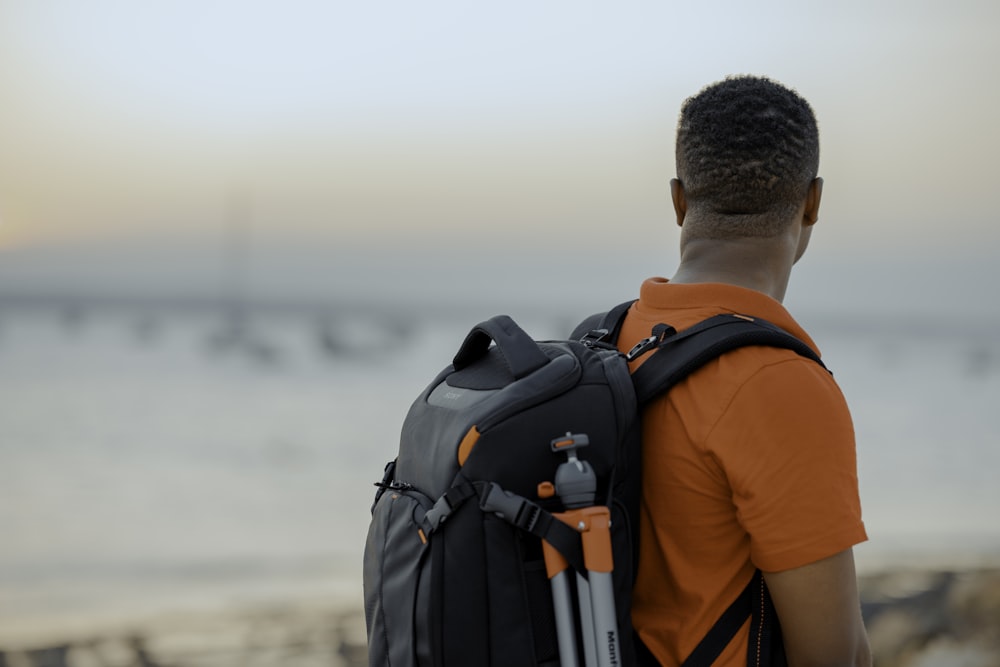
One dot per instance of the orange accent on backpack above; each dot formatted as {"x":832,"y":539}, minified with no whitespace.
{"x":465,"y":447}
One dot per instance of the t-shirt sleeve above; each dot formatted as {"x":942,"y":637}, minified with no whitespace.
{"x":786,"y":445}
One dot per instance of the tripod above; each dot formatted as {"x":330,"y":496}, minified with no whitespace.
{"x":576,"y":486}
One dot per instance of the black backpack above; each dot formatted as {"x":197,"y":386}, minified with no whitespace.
{"x":454,"y":568}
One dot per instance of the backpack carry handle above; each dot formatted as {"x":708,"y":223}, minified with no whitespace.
{"x":521,"y":354}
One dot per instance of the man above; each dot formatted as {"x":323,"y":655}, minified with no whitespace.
{"x":750,"y":463}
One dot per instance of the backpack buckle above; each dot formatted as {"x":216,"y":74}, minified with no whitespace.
{"x":642,"y":347}
{"x":445,"y":506}
{"x":510,"y":507}
{"x":660,"y":332}
{"x":594,"y":336}
{"x":436,"y":515}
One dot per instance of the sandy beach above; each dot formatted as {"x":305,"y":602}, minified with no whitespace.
{"x":915,"y":618}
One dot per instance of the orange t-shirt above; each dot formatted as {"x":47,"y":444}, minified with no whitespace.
{"x":748,"y":463}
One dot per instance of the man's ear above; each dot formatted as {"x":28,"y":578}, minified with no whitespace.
{"x":680,"y":201}
{"x":811,"y":213}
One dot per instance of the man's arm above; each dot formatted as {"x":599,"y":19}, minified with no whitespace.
{"x":820,"y":613}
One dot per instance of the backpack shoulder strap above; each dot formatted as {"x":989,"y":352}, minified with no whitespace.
{"x":673,"y":360}
{"x":603,"y":327}
{"x":680,"y":355}
{"x":718,"y":638}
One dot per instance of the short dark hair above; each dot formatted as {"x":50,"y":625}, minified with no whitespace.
{"x":747,"y":150}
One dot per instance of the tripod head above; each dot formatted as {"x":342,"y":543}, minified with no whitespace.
{"x":575,"y":482}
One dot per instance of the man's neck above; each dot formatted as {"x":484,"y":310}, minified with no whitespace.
{"x":763,"y":265}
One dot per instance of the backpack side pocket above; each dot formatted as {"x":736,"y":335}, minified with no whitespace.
{"x":396,"y":566}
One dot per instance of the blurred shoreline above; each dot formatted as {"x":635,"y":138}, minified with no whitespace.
{"x":915,"y":618}
{"x":567,"y":310}
{"x":185,"y":488}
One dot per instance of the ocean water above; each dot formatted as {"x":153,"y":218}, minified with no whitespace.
{"x":154,"y":461}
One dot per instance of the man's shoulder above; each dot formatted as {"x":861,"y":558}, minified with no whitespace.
{"x":752,"y":374}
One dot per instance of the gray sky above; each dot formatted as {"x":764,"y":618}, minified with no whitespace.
{"x":453,"y":148}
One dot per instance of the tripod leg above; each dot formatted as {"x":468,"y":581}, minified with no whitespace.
{"x":604,"y":620}
{"x":562,"y":602}
{"x":597,"y":556}
{"x":587,"y":621}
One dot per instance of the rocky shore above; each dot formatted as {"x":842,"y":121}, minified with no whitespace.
{"x":915,"y":618}
{"x":933,"y":618}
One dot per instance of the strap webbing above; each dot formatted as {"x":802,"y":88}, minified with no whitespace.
{"x":531,"y":518}
{"x":673,"y":360}
{"x":604,"y":327}
{"x":726,"y":627}
{"x":512,"y":508}
{"x":682,"y":354}
{"x":614,"y":319}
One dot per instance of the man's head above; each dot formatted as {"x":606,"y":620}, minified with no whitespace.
{"x":747,"y":152}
